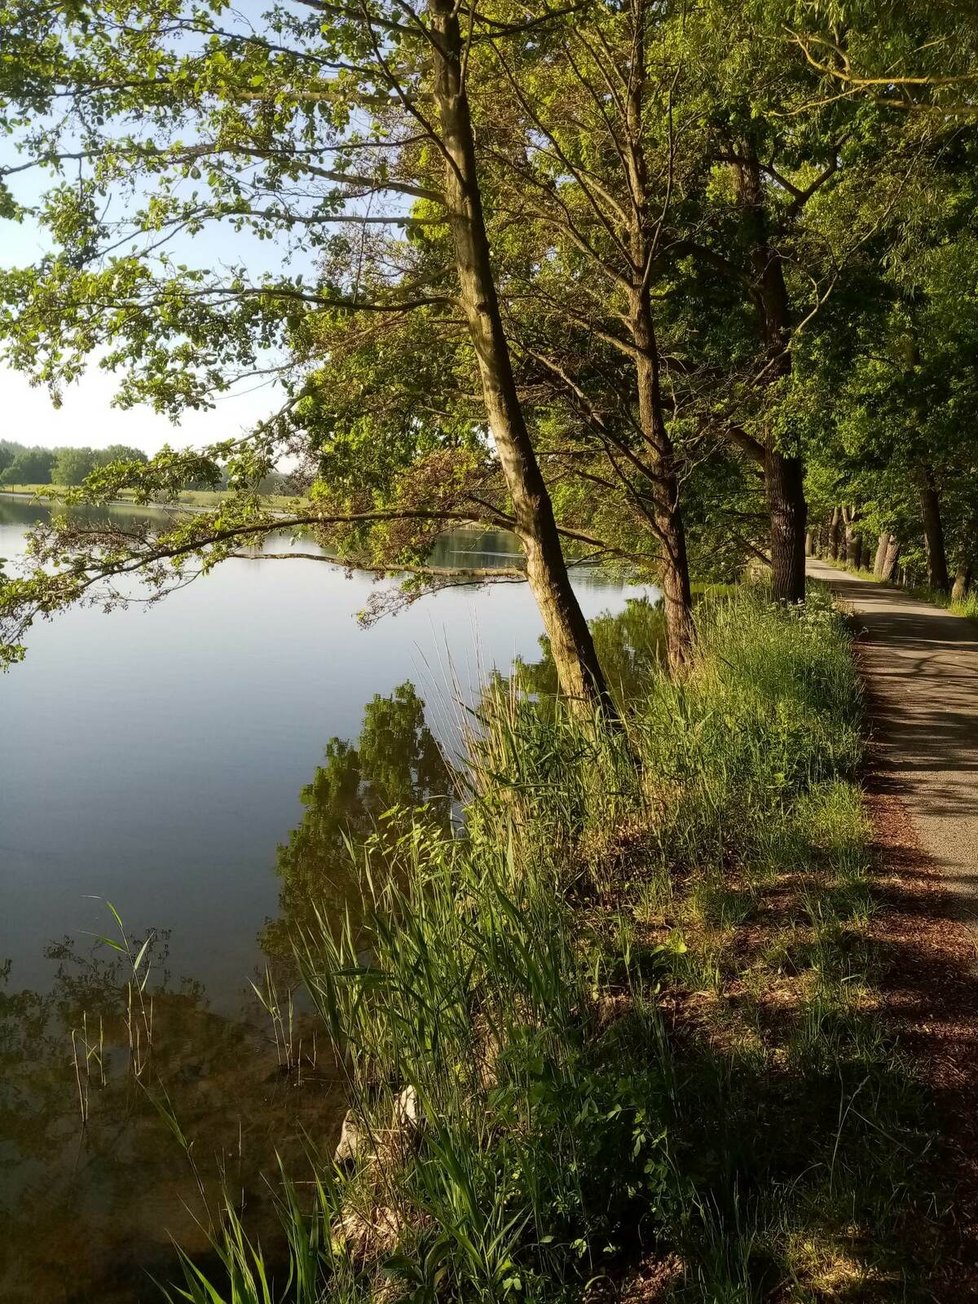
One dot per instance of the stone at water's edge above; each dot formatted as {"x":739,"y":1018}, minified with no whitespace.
{"x":406,"y":1116}
{"x":348,"y":1146}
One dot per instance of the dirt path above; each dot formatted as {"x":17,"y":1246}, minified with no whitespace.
{"x":922,"y":664}
{"x":921,"y":669}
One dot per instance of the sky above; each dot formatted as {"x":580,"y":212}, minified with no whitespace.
{"x":87,"y":419}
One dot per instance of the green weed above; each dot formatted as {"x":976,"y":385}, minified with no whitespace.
{"x":622,"y":1013}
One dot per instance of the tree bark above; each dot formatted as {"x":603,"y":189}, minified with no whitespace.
{"x":810,"y":543}
{"x":834,"y":530}
{"x":856,"y":551}
{"x":930,"y":513}
{"x":783,"y":470}
{"x":962,"y":582}
{"x":571,"y":644}
{"x":890,"y":559}
{"x":881,"y":547}
{"x":851,"y":542}
{"x":783,"y":479}
{"x":669,"y":529}
{"x":676,"y":589}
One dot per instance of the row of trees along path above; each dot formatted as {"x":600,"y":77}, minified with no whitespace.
{"x":597,"y":275}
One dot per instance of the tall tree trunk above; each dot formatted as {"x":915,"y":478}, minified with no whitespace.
{"x":882,"y":544}
{"x":809,"y":543}
{"x":962,"y":581}
{"x":676,"y":590}
{"x":930,"y":512}
{"x":571,"y":644}
{"x":783,"y":469}
{"x":851,"y":542}
{"x":783,"y":481}
{"x":891,"y":559}
{"x":669,"y":529}
{"x":834,"y":530}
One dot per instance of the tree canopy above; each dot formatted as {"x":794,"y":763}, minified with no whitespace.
{"x":668,"y":287}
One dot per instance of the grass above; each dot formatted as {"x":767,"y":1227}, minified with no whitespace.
{"x":618,"y":1039}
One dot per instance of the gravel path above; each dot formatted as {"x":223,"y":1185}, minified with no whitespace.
{"x":922,"y":665}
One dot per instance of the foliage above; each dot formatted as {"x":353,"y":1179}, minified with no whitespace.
{"x":306,"y":145}
{"x":29,"y":466}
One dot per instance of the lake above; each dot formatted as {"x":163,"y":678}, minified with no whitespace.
{"x":180,"y":774}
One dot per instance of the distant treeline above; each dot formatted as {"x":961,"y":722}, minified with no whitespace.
{"x":34,"y":464}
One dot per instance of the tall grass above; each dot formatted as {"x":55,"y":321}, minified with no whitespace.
{"x":623,"y":1018}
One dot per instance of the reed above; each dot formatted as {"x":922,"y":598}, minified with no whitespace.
{"x":621,"y":1021}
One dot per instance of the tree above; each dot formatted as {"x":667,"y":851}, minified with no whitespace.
{"x":72,"y":465}
{"x":760,"y":242}
{"x":334,"y":117}
{"x":119,"y":453}
{"x":897,"y":361}
{"x":32,"y":466}
{"x":920,"y":57}
{"x":582,"y":146}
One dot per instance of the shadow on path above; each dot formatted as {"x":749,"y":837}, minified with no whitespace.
{"x":922,"y":664}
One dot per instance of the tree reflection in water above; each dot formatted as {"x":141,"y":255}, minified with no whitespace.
{"x":204,"y":1104}
{"x":395,"y":766}
{"x":89,"y":1210}
{"x":630,"y":645}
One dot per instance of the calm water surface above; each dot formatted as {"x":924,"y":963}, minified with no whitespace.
{"x":184,"y":763}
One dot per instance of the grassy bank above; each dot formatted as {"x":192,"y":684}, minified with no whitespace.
{"x":619,"y":1039}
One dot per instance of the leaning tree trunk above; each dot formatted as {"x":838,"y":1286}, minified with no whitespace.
{"x":962,"y":581}
{"x":783,"y":469}
{"x":930,"y":513}
{"x":571,"y":644}
{"x":891,"y":559}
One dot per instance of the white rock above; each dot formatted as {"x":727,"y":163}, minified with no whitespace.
{"x":348,"y":1146}
{"x":407,"y":1114}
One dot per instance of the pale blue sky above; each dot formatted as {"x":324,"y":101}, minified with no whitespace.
{"x":86,"y":416}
